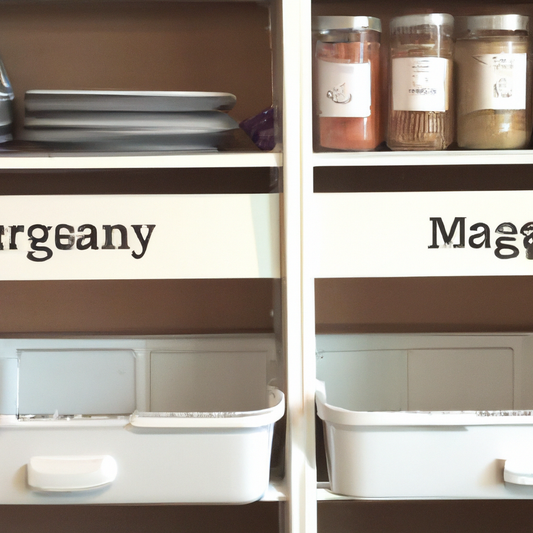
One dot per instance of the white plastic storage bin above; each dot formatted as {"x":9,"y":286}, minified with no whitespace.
{"x":137,"y":420}
{"x":427,"y":416}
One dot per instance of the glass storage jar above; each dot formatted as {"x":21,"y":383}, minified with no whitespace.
{"x":493,"y":82}
{"x":347,"y":82}
{"x":421,"y":115}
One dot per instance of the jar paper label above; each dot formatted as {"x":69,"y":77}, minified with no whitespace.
{"x":344,"y":89}
{"x":497,"y":81}
{"x":420,"y":83}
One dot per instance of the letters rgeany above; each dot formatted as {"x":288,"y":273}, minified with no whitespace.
{"x":66,"y":237}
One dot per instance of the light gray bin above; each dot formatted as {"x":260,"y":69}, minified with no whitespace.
{"x":137,"y":420}
{"x":427,"y":416}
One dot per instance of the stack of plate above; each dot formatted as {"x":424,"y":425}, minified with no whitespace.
{"x":129,"y":120}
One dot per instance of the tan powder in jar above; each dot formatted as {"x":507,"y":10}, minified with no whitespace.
{"x":488,"y":128}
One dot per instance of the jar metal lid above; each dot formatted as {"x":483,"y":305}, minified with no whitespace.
{"x":346,"y":23}
{"x":428,"y":19}
{"x":492,"y":22}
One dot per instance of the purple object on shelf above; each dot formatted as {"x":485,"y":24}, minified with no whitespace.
{"x":260,"y":128}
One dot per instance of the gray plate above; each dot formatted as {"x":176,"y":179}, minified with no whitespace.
{"x":107,"y":140}
{"x":177,"y":123}
{"x":144,"y":101}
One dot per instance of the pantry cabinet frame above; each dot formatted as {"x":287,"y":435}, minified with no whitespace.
{"x":294,"y":157}
{"x":299,"y":512}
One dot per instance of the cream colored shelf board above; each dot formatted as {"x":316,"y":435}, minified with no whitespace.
{"x":125,"y":161}
{"x":215,"y":236}
{"x":347,"y":236}
{"x":382,"y":159}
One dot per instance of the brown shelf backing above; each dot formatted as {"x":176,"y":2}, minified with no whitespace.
{"x":261,"y":517}
{"x":421,"y":178}
{"x":139,"y":181}
{"x":143,"y":307}
{"x":154,"y":46}
{"x":467,"y":516}
{"x":410,"y":305}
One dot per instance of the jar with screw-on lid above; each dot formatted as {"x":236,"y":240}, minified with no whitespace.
{"x":493,"y":82}
{"x":347,"y":82}
{"x":421,"y":114}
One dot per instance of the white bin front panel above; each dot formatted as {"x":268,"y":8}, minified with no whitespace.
{"x":229,"y":466}
{"x":426,"y":462}
{"x":160,"y":237}
{"x":366,"y":380}
{"x":427,"y":372}
{"x":406,"y":234}
{"x":208,"y":381}
{"x":460,"y":380}
{"x":82,"y":382}
{"x":9,"y":385}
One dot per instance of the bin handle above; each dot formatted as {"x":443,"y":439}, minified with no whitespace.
{"x":69,"y":473}
{"x":518,"y":471}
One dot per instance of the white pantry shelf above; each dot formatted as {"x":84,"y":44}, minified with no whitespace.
{"x":396,"y":159}
{"x":131,"y":161}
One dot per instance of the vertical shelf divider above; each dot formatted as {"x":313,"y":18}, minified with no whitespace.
{"x":300,"y":515}
{"x":307,"y":253}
